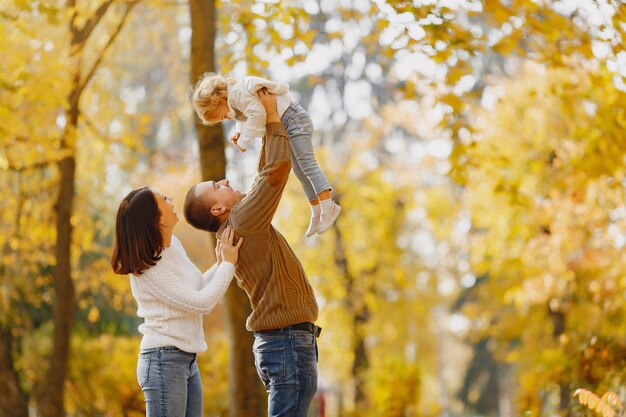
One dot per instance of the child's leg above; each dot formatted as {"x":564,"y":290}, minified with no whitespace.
{"x":300,"y":130}
{"x":309,"y":191}
{"x":316,"y":187}
{"x":316,"y":208}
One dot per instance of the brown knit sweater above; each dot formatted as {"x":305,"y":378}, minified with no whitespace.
{"x":268,"y":269}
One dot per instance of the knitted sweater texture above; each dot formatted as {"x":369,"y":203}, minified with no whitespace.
{"x":268,"y":269}
{"x":173,"y":295}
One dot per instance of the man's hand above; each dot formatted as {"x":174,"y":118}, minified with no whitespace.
{"x":269,"y":103}
{"x":235,"y":139}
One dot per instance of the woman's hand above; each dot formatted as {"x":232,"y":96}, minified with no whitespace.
{"x":269,"y":103}
{"x":218,"y":252}
{"x":228,"y":252}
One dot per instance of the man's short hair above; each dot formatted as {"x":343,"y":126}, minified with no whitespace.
{"x":198,"y":213}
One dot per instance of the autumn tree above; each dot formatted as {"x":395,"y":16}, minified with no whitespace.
{"x":544,"y":188}
{"x":33,"y":144}
{"x":246,"y":397}
{"x":81,"y":25}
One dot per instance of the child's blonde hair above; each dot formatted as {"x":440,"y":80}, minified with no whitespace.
{"x":208,"y":92}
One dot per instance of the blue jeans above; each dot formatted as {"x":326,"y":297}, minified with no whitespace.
{"x":286,"y":361}
{"x":170,"y":381}
{"x":299,"y":126}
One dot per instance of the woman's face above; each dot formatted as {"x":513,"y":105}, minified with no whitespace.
{"x":169,"y":218}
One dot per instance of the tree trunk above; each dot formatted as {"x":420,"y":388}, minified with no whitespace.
{"x":359,"y":312}
{"x":247,"y":398}
{"x":558,"y":322}
{"x":13,"y":402}
{"x":52,"y":404}
{"x":361,"y":360}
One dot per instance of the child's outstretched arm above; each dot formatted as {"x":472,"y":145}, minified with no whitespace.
{"x":254,"y":126}
{"x":235,"y":140}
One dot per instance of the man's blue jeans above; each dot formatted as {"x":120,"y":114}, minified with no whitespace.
{"x":170,"y":381}
{"x":286,"y":361}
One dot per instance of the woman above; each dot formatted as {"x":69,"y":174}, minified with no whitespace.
{"x":172,"y":295}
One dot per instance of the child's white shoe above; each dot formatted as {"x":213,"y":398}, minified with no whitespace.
{"x":313,"y":226}
{"x":330,"y":212}
{"x":316,"y":212}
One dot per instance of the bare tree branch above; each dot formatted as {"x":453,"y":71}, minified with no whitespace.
{"x":81,"y":35}
{"x":8,"y":16}
{"x":71,"y":5}
{"x":120,"y":25}
{"x":37,"y":165}
{"x":97,"y":132}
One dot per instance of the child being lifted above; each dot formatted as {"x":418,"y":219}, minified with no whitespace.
{"x":217,"y":98}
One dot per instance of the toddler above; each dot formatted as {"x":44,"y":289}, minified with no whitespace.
{"x":217,"y":98}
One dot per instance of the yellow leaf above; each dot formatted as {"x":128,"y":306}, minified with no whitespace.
{"x":583,"y":395}
{"x":93,"y":315}
{"x":612,"y":399}
{"x":608,"y":412}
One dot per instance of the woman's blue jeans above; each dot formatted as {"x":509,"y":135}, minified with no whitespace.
{"x":170,"y":381}
{"x":286,"y":361}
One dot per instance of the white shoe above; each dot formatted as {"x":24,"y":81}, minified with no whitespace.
{"x":327,"y":219}
{"x":313,"y":226}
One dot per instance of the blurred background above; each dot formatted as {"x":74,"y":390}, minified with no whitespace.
{"x":476,"y":147}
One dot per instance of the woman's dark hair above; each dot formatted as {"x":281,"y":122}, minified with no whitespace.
{"x":138,"y":241}
{"x":198,"y":213}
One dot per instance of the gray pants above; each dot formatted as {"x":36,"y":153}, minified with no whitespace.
{"x":299,"y":126}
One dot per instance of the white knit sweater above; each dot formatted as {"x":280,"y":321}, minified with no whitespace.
{"x":173,"y":295}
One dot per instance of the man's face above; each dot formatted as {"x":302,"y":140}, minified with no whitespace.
{"x":220,"y":193}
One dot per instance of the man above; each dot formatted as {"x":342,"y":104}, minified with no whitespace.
{"x":283,"y":304}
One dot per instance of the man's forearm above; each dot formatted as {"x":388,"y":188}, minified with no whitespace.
{"x":256,"y":211}
{"x":276,"y":143}
{"x":272,"y":117}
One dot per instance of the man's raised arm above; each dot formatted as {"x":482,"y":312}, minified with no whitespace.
{"x":256,"y":211}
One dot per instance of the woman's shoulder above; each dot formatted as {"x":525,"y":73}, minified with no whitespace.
{"x":170,"y":253}
{"x":175,"y":242}
{"x":173,"y":258}
{"x":178,"y":250}
{"x":175,"y":250}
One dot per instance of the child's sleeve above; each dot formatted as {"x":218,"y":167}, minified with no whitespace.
{"x":245,"y":141}
{"x":251,"y":107}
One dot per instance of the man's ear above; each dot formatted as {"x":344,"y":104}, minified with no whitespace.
{"x":217,"y":210}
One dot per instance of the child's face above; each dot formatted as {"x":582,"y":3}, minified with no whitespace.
{"x":222,"y":112}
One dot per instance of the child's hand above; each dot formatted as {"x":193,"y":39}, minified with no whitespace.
{"x":229,"y":252}
{"x":235,"y":139}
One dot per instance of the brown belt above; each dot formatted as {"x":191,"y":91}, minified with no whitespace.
{"x":309,"y":327}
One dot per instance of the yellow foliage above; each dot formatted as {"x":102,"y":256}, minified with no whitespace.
{"x":540,"y":186}
{"x":602,"y":405}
